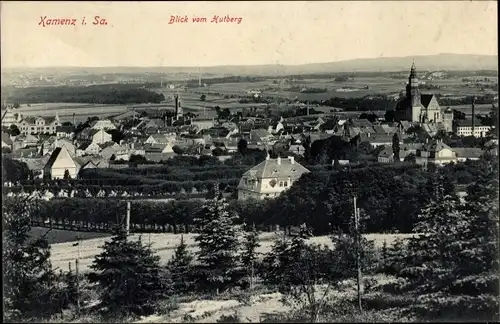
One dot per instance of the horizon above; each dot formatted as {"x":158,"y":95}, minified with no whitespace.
{"x":303,"y":32}
{"x":238,"y":65}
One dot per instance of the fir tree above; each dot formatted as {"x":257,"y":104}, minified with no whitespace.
{"x":431,"y":262}
{"x":249,"y":254}
{"x":129,"y":276}
{"x":298,"y":270}
{"x":395,"y":147}
{"x":29,"y":281}
{"x":474,"y":280}
{"x":180,"y":267}
{"x":218,"y":243}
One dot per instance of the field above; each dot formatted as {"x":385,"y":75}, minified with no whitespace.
{"x":55,"y":236}
{"x":66,"y":110}
{"x":164,"y":245}
{"x":190,"y":99}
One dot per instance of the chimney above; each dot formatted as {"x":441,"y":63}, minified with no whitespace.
{"x":176,"y":97}
{"x":279,"y":160}
{"x":473,"y":101}
{"x":292,"y":160}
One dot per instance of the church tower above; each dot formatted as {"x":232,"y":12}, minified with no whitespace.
{"x":413,"y":96}
{"x":178,"y":108}
{"x":412,"y":91}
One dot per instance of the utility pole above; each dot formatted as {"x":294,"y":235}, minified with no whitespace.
{"x":127,"y":219}
{"x":77,"y":273}
{"x":358,"y":252}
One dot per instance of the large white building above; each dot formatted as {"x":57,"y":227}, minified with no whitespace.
{"x":464,"y":128}
{"x":269,"y":178}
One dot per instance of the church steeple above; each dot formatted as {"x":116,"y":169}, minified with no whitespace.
{"x":412,"y":92}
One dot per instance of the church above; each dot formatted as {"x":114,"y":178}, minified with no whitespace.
{"x":422,"y":108}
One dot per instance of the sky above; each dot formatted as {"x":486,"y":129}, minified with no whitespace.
{"x":290,"y":33}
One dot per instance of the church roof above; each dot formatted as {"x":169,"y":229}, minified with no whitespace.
{"x":425,"y":99}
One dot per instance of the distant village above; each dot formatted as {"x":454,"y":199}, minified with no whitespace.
{"x":53,"y":149}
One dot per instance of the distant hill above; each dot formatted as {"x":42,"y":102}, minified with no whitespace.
{"x":455,"y":62}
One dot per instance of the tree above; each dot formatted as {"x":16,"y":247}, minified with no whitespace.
{"x":13,"y":170}
{"x":13,"y":130}
{"x":16,"y":105}
{"x":242,"y":146}
{"x":29,"y":281}
{"x":177,"y":150}
{"x":389,"y":115}
{"x":395,"y":147}
{"x":66,"y":175}
{"x":410,"y":158}
{"x":129,"y":276}
{"x":203,"y":97}
{"x":218,"y":243}
{"x":249,"y":254}
{"x":180,"y":267}
{"x":299,"y":271}
{"x":458,"y":115}
{"x":435,"y":273}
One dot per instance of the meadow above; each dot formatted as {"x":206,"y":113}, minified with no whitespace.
{"x":165,"y":243}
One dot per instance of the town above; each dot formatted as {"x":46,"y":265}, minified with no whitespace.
{"x":310,"y":162}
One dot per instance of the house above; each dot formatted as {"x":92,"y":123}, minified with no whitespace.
{"x":89,"y":149}
{"x":65,"y":132}
{"x":38,"y":125}
{"x":378,"y":139}
{"x":158,"y":148}
{"x":104,"y":124}
{"x":467,"y":153}
{"x":269,"y":178}
{"x":387,"y":154}
{"x":100,"y":136}
{"x":36,"y":165}
{"x":60,"y":160}
{"x":464,"y":128}
{"x":435,"y":152}
{"x":260,"y":135}
{"x":23,"y":141}
{"x":297,"y":149}
{"x":202,"y":123}
{"x":160,"y":138}
{"x":110,"y":149}
{"x":66,"y":143}
{"x":6,"y":141}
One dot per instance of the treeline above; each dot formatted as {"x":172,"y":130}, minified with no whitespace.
{"x":467,"y":100}
{"x":366,"y":103}
{"x":389,"y":196}
{"x":98,"y":94}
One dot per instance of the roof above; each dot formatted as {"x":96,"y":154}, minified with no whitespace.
{"x":37,"y":163}
{"x":65,"y":129}
{"x":260,"y":132}
{"x":6,"y":138}
{"x":425,"y":99}
{"x":468,"y":152}
{"x":468,"y":122}
{"x":271,"y":169}
{"x":435,"y":146}
{"x":360,"y":123}
{"x":53,"y":157}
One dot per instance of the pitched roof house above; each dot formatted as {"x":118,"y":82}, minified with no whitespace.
{"x":269,"y":178}
{"x":60,"y":160}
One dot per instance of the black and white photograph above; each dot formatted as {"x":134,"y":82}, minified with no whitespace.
{"x":250,"y":161}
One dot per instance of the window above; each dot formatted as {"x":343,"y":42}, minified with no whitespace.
{"x":281,"y":183}
{"x":286,"y":184}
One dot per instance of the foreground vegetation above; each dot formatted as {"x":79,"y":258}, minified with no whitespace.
{"x":456,"y":254}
